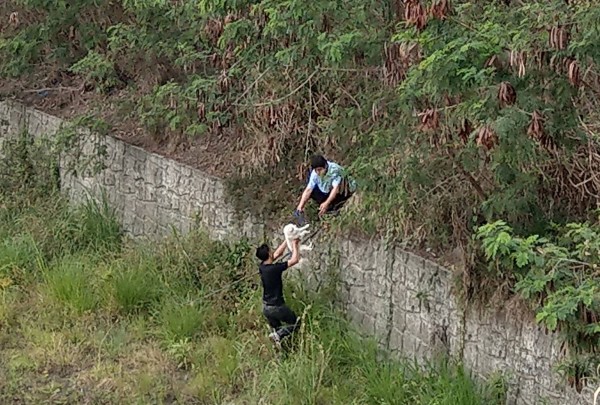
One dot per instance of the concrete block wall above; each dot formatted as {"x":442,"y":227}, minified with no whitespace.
{"x":405,"y":301}
{"x":408,"y":303}
{"x":151,"y":194}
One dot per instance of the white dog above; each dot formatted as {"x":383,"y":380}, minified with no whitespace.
{"x":292,"y":232}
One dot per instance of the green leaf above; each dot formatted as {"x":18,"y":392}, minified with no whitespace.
{"x":550,"y":320}
{"x":522,"y":259}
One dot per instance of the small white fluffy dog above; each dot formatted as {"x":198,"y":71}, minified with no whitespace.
{"x":292,"y":232}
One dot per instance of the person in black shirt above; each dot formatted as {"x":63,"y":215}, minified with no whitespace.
{"x":274,"y":308}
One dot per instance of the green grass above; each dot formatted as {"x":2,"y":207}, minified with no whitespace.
{"x":135,"y":288}
{"x":87,"y":317}
{"x":69,"y":284}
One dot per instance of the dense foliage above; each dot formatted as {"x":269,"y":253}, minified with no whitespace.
{"x":447,"y":112}
{"x":450,"y":114}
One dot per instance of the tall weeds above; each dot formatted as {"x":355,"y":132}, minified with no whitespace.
{"x":87,"y":316}
{"x":87,"y":313}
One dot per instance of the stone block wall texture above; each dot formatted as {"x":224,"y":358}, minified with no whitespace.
{"x":406,"y":302}
{"x":152,"y":195}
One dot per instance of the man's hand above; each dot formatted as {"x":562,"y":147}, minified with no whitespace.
{"x":323,"y":208}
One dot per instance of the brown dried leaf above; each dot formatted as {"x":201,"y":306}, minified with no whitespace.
{"x":486,"y":137}
{"x":223,"y":81}
{"x":213,"y":29}
{"x":536,"y":128}
{"x":494,"y":61}
{"x":14,"y":18}
{"x":513,"y":58}
{"x":541,"y":57}
{"x":465,"y":131}
{"x":554,"y":62}
{"x":536,"y":131}
{"x":558,"y":38}
{"x":522,"y":61}
{"x":214,"y":58}
{"x":326,"y":23}
{"x":201,"y":110}
{"x":518,"y":59}
{"x":229,"y":18}
{"x":507,"y":94}
{"x":573,"y":73}
{"x":301,"y":171}
{"x":430,"y":119}
{"x":415,"y":14}
{"x":398,"y":57}
{"x":374,"y":112}
{"x":440,"y":9}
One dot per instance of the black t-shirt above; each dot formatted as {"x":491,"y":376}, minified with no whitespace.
{"x":270,"y":274}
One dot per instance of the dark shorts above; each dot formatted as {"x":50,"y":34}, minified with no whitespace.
{"x":338,"y":202}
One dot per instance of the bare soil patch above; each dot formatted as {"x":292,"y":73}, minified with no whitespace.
{"x":66,"y":96}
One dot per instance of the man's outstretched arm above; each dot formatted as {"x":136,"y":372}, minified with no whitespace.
{"x":295,"y":254}
{"x":305,"y":196}
{"x":280,"y":250}
{"x":312,"y":182}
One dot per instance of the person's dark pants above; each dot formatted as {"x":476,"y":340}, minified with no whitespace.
{"x":281,"y":314}
{"x":338,"y":202}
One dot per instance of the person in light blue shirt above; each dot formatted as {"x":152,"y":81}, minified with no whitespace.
{"x":328,"y":185}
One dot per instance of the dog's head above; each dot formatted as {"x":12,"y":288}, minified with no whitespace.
{"x":292,"y":231}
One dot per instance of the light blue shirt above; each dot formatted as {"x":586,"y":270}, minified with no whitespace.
{"x":333,"y":177}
